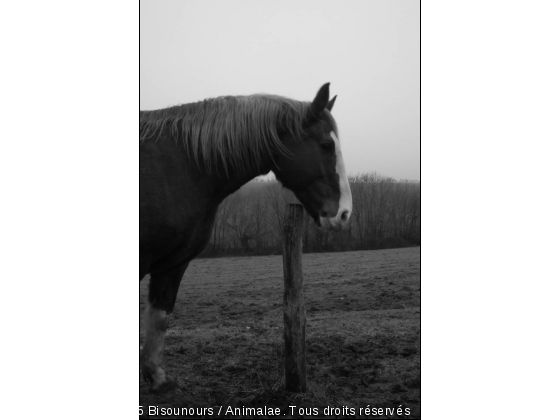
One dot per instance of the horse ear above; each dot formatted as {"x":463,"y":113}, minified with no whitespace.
{"x":320,"y":101}
{"x":331,"y":103}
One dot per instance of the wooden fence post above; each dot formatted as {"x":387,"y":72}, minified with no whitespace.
{"x":294,"y":309}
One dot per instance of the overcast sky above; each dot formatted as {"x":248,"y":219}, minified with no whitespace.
{"x":368,"y":50}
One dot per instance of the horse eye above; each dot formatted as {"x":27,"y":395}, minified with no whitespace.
{"x":328,"y":147}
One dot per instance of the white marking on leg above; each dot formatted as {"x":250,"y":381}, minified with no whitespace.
{"x":156,"y":321}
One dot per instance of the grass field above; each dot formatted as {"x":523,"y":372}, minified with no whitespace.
{"x":225,"y":343}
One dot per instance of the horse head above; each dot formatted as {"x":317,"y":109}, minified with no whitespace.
{"x":314,"y":169}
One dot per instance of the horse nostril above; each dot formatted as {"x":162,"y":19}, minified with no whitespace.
{"x":323,"y":214}
{"x":344,"y":216}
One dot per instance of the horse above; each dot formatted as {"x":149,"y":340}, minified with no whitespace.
{"x":192,"y":156}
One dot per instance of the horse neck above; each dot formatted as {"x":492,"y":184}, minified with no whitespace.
{"x":224,"y":185}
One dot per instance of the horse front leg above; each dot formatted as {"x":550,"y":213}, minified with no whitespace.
{"x":161,"y":300}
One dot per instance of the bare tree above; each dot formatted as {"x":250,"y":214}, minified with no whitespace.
{"x":252,"y":219}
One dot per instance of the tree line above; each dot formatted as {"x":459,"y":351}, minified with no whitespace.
{"x":385,"y":214}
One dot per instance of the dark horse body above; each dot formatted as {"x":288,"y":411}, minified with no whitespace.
{"x":195,"y":155}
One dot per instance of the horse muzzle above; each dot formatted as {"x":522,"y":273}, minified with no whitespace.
{"x":335,"y":223}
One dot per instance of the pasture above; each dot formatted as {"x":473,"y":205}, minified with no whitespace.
{"x":224,"y":345}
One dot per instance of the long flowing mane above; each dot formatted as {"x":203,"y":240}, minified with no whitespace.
{"x":234,"y":131}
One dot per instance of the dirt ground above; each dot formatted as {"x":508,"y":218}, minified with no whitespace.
{"x":225,"y":343}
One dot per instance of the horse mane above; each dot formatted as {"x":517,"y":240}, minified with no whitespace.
{"x":234,"y":131}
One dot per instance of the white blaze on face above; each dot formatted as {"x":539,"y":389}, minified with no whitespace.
{"x":345,"y":202}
